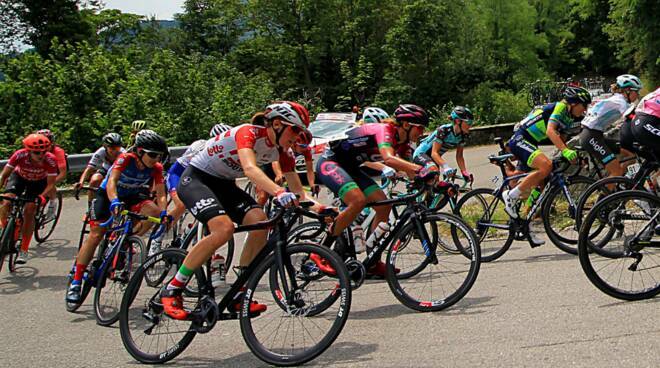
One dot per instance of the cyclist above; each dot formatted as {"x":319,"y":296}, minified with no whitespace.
{"x":136,"y":126}
{"x":544,"y":123}
{"x":101,"y":161}
{"x":447,"y":137}
{"x":208,"y":189}
{"x":339,"y":167}
{"x":646,"y":124}
{"x":373,"y":115}
{"x":130,"y":176}
{"x":60,"y":159}
{"x":602,"y":116}
{"x":30,"y":170}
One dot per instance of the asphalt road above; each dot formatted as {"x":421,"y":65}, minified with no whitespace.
{"x":531,"y":308}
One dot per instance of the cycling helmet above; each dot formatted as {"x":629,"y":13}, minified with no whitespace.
{"x":150,"y":141}
{"x":219,"y":129}
{"x":629,"y":81}
{"x":112,"y":139}
{"x":462,"y":113}
{"x":36,"y":142}
{"x":374,"y":115}
{"x":48,"y":134}
{"x":138,"y":125}
{"x":577,"y":95}
{"x":412,"y":114}
{"x":292,"y":112}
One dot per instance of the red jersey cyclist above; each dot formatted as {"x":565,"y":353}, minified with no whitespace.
{"x":131,"y":175}
{"x":60,"y":159}
{"x":209,"y":191}
{"x":339,"y":168}
{"x":31,"y":172}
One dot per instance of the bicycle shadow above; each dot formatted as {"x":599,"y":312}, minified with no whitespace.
{"x":26,"y":278}
{"x":470,"y":306}
{"x":538,"y":258}
{"x":339,"y":352}
{"x":655,"y":299}
{"x":57,"y":248}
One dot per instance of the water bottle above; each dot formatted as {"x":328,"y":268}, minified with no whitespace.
{"x":381,"y":229}
{"x":217,"y":270}
{"x":358,"y":238}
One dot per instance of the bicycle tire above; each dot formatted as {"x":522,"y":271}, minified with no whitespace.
{"x":41,"y":233}
{"x":441,"y":300}
{"x":550,"y":211}
{"x":595,"y":268}
{"x":6,"y":244}
{"x":135,"y":312}
{"x":111,"y":284}
{"x":286,"y":355}
{"x":497,"y":216}
{"x":582,"y":208}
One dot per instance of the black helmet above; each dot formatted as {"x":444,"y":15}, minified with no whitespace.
{"x":577,"y":95}
{"x":412,"y":114}
{"x":462,"y":113}
{"x":112,"y":139}
{"x":150,"y":141}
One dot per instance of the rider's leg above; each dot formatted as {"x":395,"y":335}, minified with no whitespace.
{"x":179,"y":207}
{"x":256,"y":239}
{"x":355,"y":202}
{"x":543,"y":167}
{"x":4,"y":210}
{"x":147,"y":208}
{"x":340,"y":182}
{"x":94,"y":182}
{"x":221,"y":229}
{"x":28,"y":225}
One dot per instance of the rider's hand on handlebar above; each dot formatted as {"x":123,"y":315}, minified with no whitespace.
{"x":165,"y":218}
{"x":569,"y":154}
{"x":78,"y":186}
{"x":388,"y":172}
{"x":42,"y":200}
{"x":115,"y":207}
{"x":285,"y":198}
{"x":467,"y":176}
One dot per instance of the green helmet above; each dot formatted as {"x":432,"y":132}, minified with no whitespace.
{"x":138,"y":125}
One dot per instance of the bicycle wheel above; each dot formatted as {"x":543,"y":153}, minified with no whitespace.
{"x":44,"y":224}
{"x":447,"y":276}
{"x":8,"y":246}
{"x":114,"y":278}
{"x":558,"y":213}
{"x":306,"y":232}
{"x":147,"y":333}
{"x":484,"y":213}
{"x":624,"y":265}
{"x":597,"y":191}
{"x":298,"y":333}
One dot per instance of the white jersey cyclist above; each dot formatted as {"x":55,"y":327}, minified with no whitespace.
{"x":220,"y":156}
{"x":195,"y":148}
{"x":606,"y":112}
{"x":101,"y":161}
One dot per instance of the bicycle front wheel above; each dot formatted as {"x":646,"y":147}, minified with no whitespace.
{"x":45,"y":224}
{"x":292,"y":330}
{"x":8,"y":246}
{"x":624,"y":262}
{"x":443,"y":277}
{"x":114,"y":278}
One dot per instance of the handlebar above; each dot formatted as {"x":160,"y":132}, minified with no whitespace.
{"x":76,"y":193}
{"x":132,"y":215}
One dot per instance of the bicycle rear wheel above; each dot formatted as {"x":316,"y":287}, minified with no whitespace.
{"x":441,"y":283}
{"x":624,"y":262}
{"x":292,"y":331}
{"x":45,"y":225}
{"x":114,"y":278}
{"x":559,"y":213}
{"x":147,"y":333}
{"x":8,"y":246}
{"x":484,"y":213}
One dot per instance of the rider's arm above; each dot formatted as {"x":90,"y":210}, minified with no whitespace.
{"x":161,"y":196}
{"x":50,"y":185}
{"x":390,"y":159}
{"x":248,"y":160}
{"x":60,"y":157}
{"x":277,"y":170}
{"x":85,"y":175}
{"x":435,"y":154}
{"x":293,"y":181}
{"x":111,"y":187}
{"x":555,"y":137}
{"x":6,"y":171}
{"x":460,"y":159}
{"x":309,"y":169}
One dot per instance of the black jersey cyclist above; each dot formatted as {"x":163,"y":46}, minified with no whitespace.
{"x":339,"y":168}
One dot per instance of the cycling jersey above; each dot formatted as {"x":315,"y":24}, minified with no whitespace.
{"x":220,"y":156}
{"x":60,"y":157}
{"x":444,"y":135}
{"x":193,"y":149}
{"x":364,"y":142}
{"x":650,"y":104}
{"x":606,"y":112}
{"x":101,"y":160}
{"x":133,"y":180}
{"x":29,"y":170}
{"x":534,"y":127}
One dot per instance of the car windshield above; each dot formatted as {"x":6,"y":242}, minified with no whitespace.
{"x":327,"y":129}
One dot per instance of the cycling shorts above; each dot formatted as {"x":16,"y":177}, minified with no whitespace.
{"x":423,"y":159}
{"x":524,"y":150}
{"x":602,"y":148}
{"x":102,"y":171}
{"x":207,"y":196}
{"x":100,"y":209}
{"x":173,"y":176}
{"x":646,"y":131}
{"x":626,"y":137}
{"x":18,"y":185}
{"x":341,"y":179}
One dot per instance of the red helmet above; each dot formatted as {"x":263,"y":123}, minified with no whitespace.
{"x":412,"y":114}
{"x":291,"y":112}
{"x":36,"y":142}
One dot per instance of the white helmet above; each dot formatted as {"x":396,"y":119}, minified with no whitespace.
{"x":374,"y":115}
{"x":219,"y":129}
{"x":629,"y":81}
{"x":289,"y":111}
{"x":198,"y":145}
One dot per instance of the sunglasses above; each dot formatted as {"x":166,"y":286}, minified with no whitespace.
{"x":154,"y":155}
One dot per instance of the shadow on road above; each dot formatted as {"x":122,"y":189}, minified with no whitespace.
{"x":58,"y":248}
{"x":540,"y":258}
{"x":26,"y":278}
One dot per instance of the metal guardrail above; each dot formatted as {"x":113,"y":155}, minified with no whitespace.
{"x":78,"y":161}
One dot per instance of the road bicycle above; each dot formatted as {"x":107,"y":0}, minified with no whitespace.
{"x":47,"y":220}
{"x":10,"y":240}
{"x":290,"y":331}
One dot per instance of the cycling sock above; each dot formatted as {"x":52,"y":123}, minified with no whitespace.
{"x":25,"y":243}
{"x":181,"y":278}
{"x":514,"y":193}
{"x":80,"y":271}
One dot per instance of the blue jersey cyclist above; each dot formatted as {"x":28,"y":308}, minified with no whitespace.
{"x":553,"y":122}
{"x":447,"y":137}
{"x":131,"y":175}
